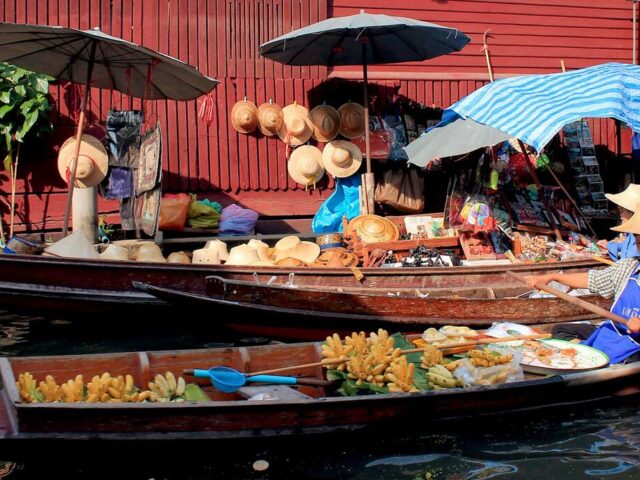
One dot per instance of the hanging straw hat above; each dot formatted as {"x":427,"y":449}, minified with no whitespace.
{"x":179,"y":257}
{"x":351,"y":120}
{"x":150,"y":252}
{"x":242,"y":255}
{"x":209,"y":256}
{"x":270,"y":118}
{"x":628,"y":199}
{"x":341,"y":158}
{"x":296,"y":127}
{"x":244,"y":116}
{"x":220,"y":247}
{"x":305,"y":165}
{"x":115,"y":252}
{"x":633,"y":224}
{"x":92,"y":163}
{"x":373,"y":228}
{"x":326,"y":123}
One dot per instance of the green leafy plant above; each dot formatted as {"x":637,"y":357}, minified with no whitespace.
{"x":24,"y":116}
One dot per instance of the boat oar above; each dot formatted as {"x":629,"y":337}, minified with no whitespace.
{"x":574,"y":300}
{"x":449,"y":346}
{"x":604,"y":260}
{"x":229,"y":380}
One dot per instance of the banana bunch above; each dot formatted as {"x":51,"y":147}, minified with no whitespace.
{"x":432,"y":356}
{"x":105,"y":388}
{"x":357,"y":342}
{"x":73,"y":390}
{"x":365,"y":369}
{"x":400,"y":376}
{"x":439,"y":377}
{"x":333,"y":350}
{"x":484,"y":358}
{"x":165,"y":388}
{"x":27,"y":387}
{"x":50,"y":389}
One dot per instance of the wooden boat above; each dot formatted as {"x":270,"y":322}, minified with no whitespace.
{"x":310,"y":312}
{"x":72,"y":287}
{"x":226,"y":417}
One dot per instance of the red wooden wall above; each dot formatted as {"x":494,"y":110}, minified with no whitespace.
{"x":221,"y":38}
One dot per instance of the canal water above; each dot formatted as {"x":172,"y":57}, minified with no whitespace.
{"x":598,"y":442}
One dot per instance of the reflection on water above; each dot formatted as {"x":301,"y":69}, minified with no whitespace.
{"x":588,"y":443}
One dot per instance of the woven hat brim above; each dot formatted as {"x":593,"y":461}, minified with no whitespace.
{"x":91,"y":147}
{"x":316,"y":115}
{"x":283,"y":132}
{"x":335,"y":170}
{"x":263,"y":129}
{"x":292,"y":165}
{"x":234,"y":116}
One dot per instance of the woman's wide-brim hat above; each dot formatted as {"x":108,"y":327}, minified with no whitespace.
{"x":633,"y":224}
{"x":92,"y":164}
{"x":244,"y":116}
{"x":270,"y":118}
{"x":150,"y":252}
{"x":220,"y":247}
{"x":629,"y":198}
{"x":326,"y":123}
{"x":115,"y":252}
{"x":242,"y":255}
{"x":293,"y":247}
{"x":305,"y":165}
{"x":352,"y":122}
{"x":373,"y":228}
{"x":296,"y":126}
{"x":341,"y":158}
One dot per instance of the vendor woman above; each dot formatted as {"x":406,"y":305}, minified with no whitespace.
{"x":622,"y":282}
{"x":625,"y":245}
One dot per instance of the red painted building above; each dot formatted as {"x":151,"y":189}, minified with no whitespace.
{"x":221,"y":38}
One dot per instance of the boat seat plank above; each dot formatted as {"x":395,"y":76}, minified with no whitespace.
{"x":273,"y":392}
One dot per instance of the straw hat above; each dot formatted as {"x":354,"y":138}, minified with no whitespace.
{"x":270,"y":118}
{"x":341,"y":158}
{"x":326,"y":123}
{"x":206,"y":255}
{"x":330,"y":241}
{"x":92,"y":164}
{"x":178,"y":257}
{"x":115,"y":252}
{"x":373,"y":228}
{"x":290,"y":262}
{"x":242,"y":255}
{"x":220,"y":247}
{"x":150,"y":252}
{"x":351,"y":120}
{"x":306,"y":252}
{"x":305,"y":165}
{"x":244,"y":116}
{"x":296,"y":127}
{"x":633,"y":224}
{"x":628,"y":199}
{"x":76,"y":245}
{"x":256,"y":244}
{"x":336,"y":259}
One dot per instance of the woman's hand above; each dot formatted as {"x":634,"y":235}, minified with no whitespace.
{"x":634,"y":325}
{"x":533,"y":280}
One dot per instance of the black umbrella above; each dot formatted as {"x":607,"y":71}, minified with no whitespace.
{"x":364,"y":39}
{"x":99,"y":60}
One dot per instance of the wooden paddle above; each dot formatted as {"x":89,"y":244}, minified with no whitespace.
{"x":574,"y":300}
{"x":449,"y":346}
{"x":604,"y":260}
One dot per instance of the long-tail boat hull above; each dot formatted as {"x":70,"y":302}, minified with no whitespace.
{"x":230,"y":416}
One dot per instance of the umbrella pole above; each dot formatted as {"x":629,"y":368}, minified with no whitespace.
{"x":74,"y":160}
{"x":368,"y":180}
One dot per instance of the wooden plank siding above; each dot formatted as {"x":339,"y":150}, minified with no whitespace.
{"x":221,"y":38}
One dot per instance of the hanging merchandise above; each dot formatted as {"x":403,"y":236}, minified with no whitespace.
{"x":402,"y":190}
{"x":123,"y":137}
{"x":149,"y":164}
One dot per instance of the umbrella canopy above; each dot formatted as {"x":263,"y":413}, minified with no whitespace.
{"x":336,"y":41}
{"x":532,"y":108}
{"x":98,"y":60}
{"x":66,"y":54}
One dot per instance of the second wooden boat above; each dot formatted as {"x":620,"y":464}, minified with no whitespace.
{"x":310,"y":312}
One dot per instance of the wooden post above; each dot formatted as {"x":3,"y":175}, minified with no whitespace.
{"x":368,"y":179}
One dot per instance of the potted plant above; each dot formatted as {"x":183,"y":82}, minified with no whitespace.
{"x":24,"y":116}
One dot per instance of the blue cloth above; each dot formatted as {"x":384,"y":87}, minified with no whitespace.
{"x":614,"y":339}
{"x":345,"y":200}
{"x":534,"y":108}
{"x":624,"y":249}
{"x":118,"y":183}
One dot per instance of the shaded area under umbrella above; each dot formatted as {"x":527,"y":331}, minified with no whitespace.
{"x":96,"y":59}
{"x":364,"y":39}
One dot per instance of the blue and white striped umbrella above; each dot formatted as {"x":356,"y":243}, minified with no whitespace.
{"x":534,"y":108}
